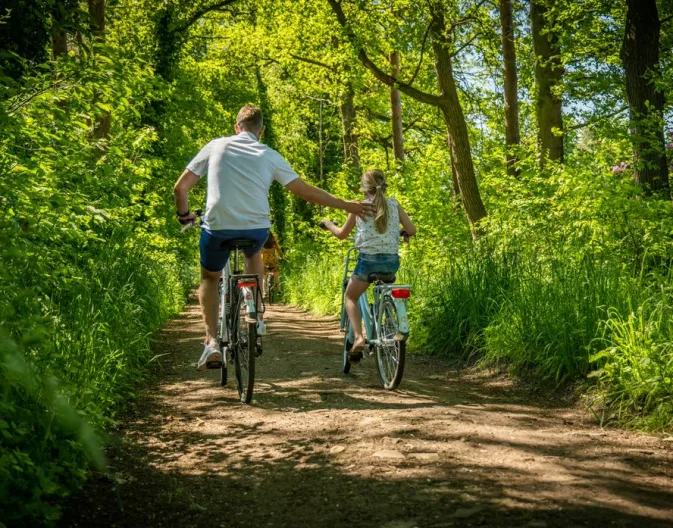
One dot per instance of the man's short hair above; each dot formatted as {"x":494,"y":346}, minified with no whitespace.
{"x":250,"y":118}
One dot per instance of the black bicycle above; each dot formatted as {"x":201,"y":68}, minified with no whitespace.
{"x":237,"y":334}
{"x":240,"y":304}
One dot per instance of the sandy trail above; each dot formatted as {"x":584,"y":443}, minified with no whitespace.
{"x":320,"y":449}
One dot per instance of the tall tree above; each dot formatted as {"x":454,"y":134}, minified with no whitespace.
{"x":548,"y":75}
{"x":101,"y":127}
{"x":348,"y":125}
{"x":640,"y":58}
{"x":171,"y":29}
{"x":511,"y":86}
{"x":59,"y":33}
{"x":447,"y":102}
{"x":24,"y":31}
{"x":396,"y":110}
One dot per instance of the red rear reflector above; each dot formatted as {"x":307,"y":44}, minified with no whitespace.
{"x":250,"y":284}
{"x":401,"y":293}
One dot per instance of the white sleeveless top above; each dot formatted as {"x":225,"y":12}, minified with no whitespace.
{"x":369,"y":241}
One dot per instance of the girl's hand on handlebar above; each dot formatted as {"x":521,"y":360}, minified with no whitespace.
{"x":405,"y":235}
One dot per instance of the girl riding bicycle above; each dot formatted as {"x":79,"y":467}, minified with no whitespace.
{"x":378,"y":240}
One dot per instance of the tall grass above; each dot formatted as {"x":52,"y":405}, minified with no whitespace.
{"x":66,"y":370}
{"x":313,"y":281}
{"x":552,"y":319}
{"x":635,"y":362}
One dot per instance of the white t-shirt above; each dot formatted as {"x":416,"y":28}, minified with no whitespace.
{"x":240,"y":171}
{"x":369,"y":241}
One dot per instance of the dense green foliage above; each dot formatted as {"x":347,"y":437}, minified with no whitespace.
{"x":566,"y":279}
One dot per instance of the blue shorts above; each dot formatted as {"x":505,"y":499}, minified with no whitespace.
{"x":375,"y":263}
{"x":214,"y":257}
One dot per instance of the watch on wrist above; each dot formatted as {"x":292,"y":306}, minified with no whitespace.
{"x":183,"y":214}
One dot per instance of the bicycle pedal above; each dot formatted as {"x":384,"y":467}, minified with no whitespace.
{"x":212,"y":365}
{"x":399,"y":337}
{"x":355,"y":358}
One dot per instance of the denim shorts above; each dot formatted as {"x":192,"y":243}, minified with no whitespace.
{"x":214,"y":257}
{"x":375,"y":263}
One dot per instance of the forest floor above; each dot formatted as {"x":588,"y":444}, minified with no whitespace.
{"x":451,"y":447}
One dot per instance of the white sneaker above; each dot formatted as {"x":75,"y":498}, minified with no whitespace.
{"x":261,"y":328}
{"x":211,"y":353}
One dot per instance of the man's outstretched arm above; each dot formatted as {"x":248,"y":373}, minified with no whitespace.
{"x":185,"y":182}
{"x":313,"y":194}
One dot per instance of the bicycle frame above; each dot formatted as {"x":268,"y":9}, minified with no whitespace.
{"x":241,"y":283}
{"x":371,"y":314}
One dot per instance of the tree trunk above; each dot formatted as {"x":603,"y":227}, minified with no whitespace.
{"x":454,"y":181}
{"x":640,"y":57}
{"x":350,"y":138}
{"x":59,"y":43}
{"x":59,"y":36}
{"x":101,"y":128}
{"x":512,"y":139}
{"x":458,"y":138}
{"x":447,"y":102}
{"x":277,"y":196}
{"x":396,"y":110}
{"x":548,"y":74}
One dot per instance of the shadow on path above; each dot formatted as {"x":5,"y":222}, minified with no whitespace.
{"x":319,"y":449}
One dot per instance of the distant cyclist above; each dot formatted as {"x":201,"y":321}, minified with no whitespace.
{"x":271,"y":256}
{"x":239,"y":171}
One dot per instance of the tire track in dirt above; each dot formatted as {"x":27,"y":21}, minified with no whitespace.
{"x":319,"y":449}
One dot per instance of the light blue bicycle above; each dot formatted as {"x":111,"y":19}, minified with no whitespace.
{"x":385,"y":320}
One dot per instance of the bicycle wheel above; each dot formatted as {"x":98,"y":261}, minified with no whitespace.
{"x":346,"y":361}
{"x":390,"y":349}
{"x":244,"y":344}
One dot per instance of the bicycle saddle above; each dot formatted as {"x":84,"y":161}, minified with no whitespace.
{"x":238,"y":243}
{"x":387,"y":278}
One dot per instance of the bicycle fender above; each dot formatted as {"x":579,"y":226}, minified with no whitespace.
{"x":401,"y":307}
{"x":249,"y":300}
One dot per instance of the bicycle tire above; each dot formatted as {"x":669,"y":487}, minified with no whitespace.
{"x":346,"y":361}
{"x":245,"y":350}
{"x":390,"y":348}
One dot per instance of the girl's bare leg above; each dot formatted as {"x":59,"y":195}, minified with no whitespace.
{"x":354,"y":290}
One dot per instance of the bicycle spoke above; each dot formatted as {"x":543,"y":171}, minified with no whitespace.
{"x":389,"y":353}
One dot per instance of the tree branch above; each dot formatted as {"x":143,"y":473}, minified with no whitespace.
{"x":382,"y":76}
{"x":313,"y":61}
{"x":597,"y":119}
{"x":420,"y":61}
{"x":468,"y":43}
{"x":192,"y":19}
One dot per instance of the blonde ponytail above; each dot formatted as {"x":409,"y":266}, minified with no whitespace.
{"x":374,"y":182}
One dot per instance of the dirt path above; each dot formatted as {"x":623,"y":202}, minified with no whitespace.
{"x":319,"y":449}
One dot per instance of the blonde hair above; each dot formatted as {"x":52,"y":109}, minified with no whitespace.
{"x":374,"y":182}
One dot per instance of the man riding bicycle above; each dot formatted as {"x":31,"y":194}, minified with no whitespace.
{"x":239,"y":172}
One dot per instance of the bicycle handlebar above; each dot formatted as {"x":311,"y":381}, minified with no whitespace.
{"x":193,"y":223}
